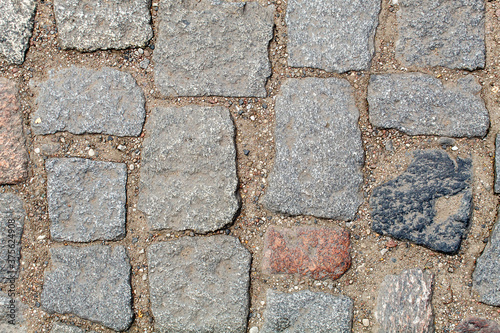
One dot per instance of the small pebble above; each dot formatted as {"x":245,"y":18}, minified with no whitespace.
{"x":121,"y":147}
{"x":91,"y":152}
{"x":366,"y":322}
{"x":37,"y":150}
{"x":246,"y":152}
{"x":254,"y":330}
{"x":454,"y":148}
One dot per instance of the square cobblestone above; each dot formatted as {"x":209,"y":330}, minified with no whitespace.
{"x":12,"y":217}
{"x":90,"y":282}
{"x":199,"y":284}
{"x":86,"y":199}
{"x":209,"y":48}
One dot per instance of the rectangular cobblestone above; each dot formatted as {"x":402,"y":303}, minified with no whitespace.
{"x":12,"y":215}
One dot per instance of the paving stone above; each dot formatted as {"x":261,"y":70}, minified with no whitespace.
{"x":429,"y":204}
{"x":16,"y":26}
{"x":319,"y":153}
{"x":199,"y":284}
{"x":90,"y":282}
{"x":12,"y":314}
{"x":88,"y":25}
{"x":86,"y":199}
{"x":213,"y":48}
{"x":419,"y":104}
{"x":188,"y":171}
{"x":478,"y":325}
{"x":305,"y":311}
{"x":486,"y":275}
{"x":333,"y":35}
{"x":447,"y":33}
{"x":13,"y":154}
{"x":81,"y":100}
{"x":63,"y":328}
{"x":12,"y":217}
{"x":497,"y":164}
{"x":404,"y":302}
{"x":315,"y":252}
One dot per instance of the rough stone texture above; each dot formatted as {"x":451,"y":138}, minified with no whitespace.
{"x":404,"y":303}
{"x":188,"y":171}
{"x":90,"y":282}
{"x":13,"y":154}
{"x":86,"y":199}
{"x":419,"y":104}
{"x":478,"y":325}
{"x":199,"y":284}
{"x":16,"y":28}
{"x":89,"y":25}
{"x":63,"y":328}
{"x":80,"y":100}
{"x":486,"y":275}
{"x":319,"y":153}
{"x":12,"y":217}
{"x":205,"y":48}
{"x":306,"y":311}
{"x":316,"y":252}
{"x":429,"y":204}
{"x":497,"y":164}
{"x":333,"y":35}
{"x":447,"y":33}
{"x":12,"y":314}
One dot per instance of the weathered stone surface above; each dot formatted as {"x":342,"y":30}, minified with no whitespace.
{"x":404,"y":303}
{"x":478,"y":325}
{"x":333,"y":35}
{"x":12,"y":314}
{"x":486,"y":275}
{"x":12,"y":217}
{"x":90,"y":282}
{"x":80,"y":100}
{"x":188,"y":171}
{"x":199,"y":284}
{"x":16,"y":28}
{"x":447,"y":33}
{"x":306,"y":311}
{"x":13,"y":154}
{"x":319,"y":153}
{"x":497,"y":164}
{"x":429,"y":204}
{"x":89,"y":25}
{"x":63,"y":328}
{"x":419,"y":104}
{"x":86,"y":199}
{"x":208,"y":48}
{"x":316,"y":252}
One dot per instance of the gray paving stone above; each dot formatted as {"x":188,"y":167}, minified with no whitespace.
{"x":213,"y":48}
{"x":486,"y":275}
{"x":89,"y":25}
{"x":12,"y":314}
{"x":319,"y":153}
{"x":305,"y":311}
{"x":333,"y":35}
{"x":90,"y":282}
{"x":86,"y":199}
{"x":419,"y":104}
{"x":497,"y":164}
{"x":199,"y":284}
{"x":447,"y":33}
{"x":16,"y":28}
{"x":81,"y":100}
{"x":188,"y":170}
{"x":63,"y":328}
{"x":429,"y":204}
{"x":404,"y":303}
{"x":12,"y":217}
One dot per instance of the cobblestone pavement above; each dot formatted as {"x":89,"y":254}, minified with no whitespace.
{"x":268,"y":166}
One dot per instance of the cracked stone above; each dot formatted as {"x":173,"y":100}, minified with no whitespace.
{"x":319,"y":153}
{"x":12,"y":215}
{"x":307,"y":311}
{"x":86,"y":199}
{"x":13,"y":154}
{"x":188,"y":171}
{"x":429,"y":204}
{"x":448,"y":33}
{"x":207,"y":275}
{"x":419,"y":104}
{"x":92,"y":283}
{"x":218,"y":49}
{"x":89,"y":25}
{"x":80,"y":100}
{"x":333,"y":35}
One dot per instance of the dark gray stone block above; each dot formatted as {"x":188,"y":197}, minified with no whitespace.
{"x":12,"y":217}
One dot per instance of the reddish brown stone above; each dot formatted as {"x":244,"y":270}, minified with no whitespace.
{"x":13,"y":154}
{"x":317,"y":252}
{"x":478,"y":325}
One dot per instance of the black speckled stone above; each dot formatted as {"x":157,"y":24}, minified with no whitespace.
{"x":429,"y":204}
